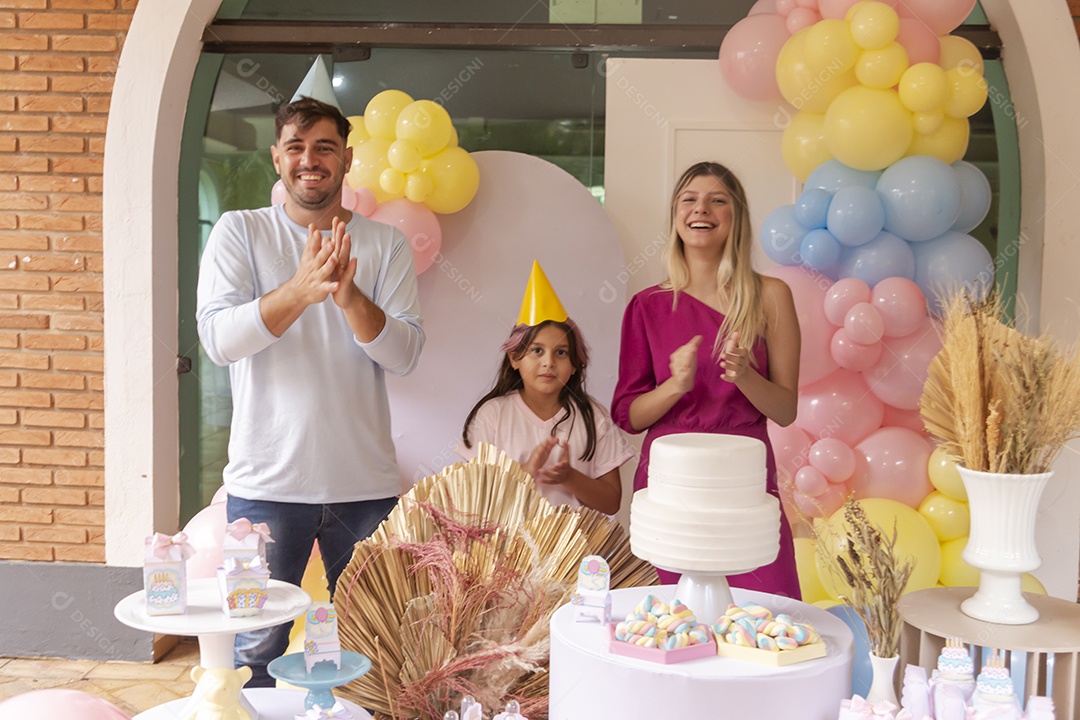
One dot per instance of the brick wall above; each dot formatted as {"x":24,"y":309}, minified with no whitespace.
{"x":57,"y":61}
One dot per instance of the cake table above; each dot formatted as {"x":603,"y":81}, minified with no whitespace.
{"x":271,"y":704}
{"x":588,"y":681}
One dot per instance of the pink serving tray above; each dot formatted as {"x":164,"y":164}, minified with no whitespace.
{"x":666,"y":657}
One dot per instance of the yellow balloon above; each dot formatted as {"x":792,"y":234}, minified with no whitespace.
{"x":826,"y":604}
{"x":945,"y":477}
{"x":455,"y":179}
{"x":427,"y":124}
{"x":381,"y":113}
{"x":882,"y":68}
{"x":369,"y":162}
{"x":867,"y":128}
{"x":873,"y":25}
{"x":915,"y":539}
{"x":392,"y":182}
{"x":927,"y":122}
{"x":314,"y":583}
{"x":804,"y":85}
{"x":453,"y":137}
{"x":958,"y":52}
{"x":403,"y":155}
{"x":923,"y":88}
{"x":809,"y":583}
{"x":1029,"y":583}
{"x":851,"y":10}
{"x":948,"y":143}
{"x":803,"y":144}
{"x":357,"y":131}
{"x":829,"y":45}
{"x":418,"y":186}
{"x":954,"y":571}
{"x":949,"y":518}
{"x":967,"y":93}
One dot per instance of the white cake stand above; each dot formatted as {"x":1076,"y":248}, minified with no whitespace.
{"x":205,"y":619}
{"x":706,"y":593}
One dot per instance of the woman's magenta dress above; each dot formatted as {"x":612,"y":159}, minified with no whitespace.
{"x":651,"y":331}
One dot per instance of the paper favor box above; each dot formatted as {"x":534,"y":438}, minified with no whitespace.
{"x":243,"y":586}
{"x":592,"y":601}
{"x":165,"y":573}
{"x":245,"y":540}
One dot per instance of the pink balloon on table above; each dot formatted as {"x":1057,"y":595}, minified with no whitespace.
{"x":898,"y":377}
{"x":910,"y":419}
{"x":348,"y":197}
{"x":206,"y":533}
{"x":808,"y":291}
{"x":418,"y":223}
{"x":892,"y":463}
{"x":851,"y":355}
{"x":366,"y":202}
{"x":810,"y":481}
{"x":839,"y":406}
{"x":790,"y":445}
{"x":940,"y":16}
{"x":748,"y":57}
{"x":823,"y":505}
{"x":799,"y":19}
{"x":762,"y":7}
{"x":220,"y":495}
{"x":783,"y":7}
{"x":278,"y":193}
{"x":863,"y":323}
{"x":902,"y":305}
{"x":833,"y":458}
{"x":843,"y":295}
{"x":920,"y":42}
{"x":60,"y":703}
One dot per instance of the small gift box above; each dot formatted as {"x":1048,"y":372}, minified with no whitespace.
{"x":245,"y":540}
{"x":321,"y":643}
{"x":243,"y":586}
{"x":592,"y":601}
{"x":165,"y":574}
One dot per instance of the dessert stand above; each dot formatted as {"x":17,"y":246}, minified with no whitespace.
{"x":708,"y":591}
{"x":322,"y":679}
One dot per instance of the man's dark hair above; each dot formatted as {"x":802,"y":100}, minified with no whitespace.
{"x":307,"y":111}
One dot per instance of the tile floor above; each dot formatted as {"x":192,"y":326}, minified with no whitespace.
{"x":132,"y":687}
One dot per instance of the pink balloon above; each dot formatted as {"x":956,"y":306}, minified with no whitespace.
{"x":783,"y":7}
{"x":762,"y":7}
{"x":851,"y":355}
{"x":206,"y":533}
{"x":790,"y":446}
{"x":348,"y":197}
{"x":799,"y":19}
{"x":366,"y":202}
{"x":278,"y":193}
{"x":898,"y":377}
{"x":833,"y":459}
{"x":823,"y":505}
{"x":901,"y":304}
{"x":842,"y":296}
{"x":893,"y":463}
{"x":863,"y":323}
{"x":60,"y":703}
{"x":839,"y":406}
{"x":219,"y":496}
{"x":808,"y":290}
{"x":748,"y":57}
{"x":810,"y":482}
{"x":921,"y":43}
{"x":812,"y":4}
{"x":910,"y":419}
{"x":418,"y":223}
{"x":837,"y":9}
{"x":940,"y":16}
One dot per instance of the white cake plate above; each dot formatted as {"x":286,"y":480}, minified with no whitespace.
{"x":707,"y":594}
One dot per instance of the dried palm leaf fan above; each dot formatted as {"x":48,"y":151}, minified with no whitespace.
{"x":453,"y":593}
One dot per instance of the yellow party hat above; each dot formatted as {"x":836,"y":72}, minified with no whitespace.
{"x":540,"y":302}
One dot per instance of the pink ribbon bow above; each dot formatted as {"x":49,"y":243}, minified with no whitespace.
{"x":337,"y":711}
{"x":234,"y":566}
{"x":858,"y":708}
{"x":162,"y":544}
{"x":240,"y":529}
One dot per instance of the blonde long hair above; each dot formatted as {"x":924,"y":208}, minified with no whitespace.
{"x":739,"y":287}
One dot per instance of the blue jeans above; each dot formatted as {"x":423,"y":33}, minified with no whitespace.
{"x":294,"y":528}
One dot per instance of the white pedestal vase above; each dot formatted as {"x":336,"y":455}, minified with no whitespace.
{"x":883,"y":684}
{"x":1002,"y":543}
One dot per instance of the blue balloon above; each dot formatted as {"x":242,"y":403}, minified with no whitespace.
{"x":832,"y":175}
{"x":781,"y":235}
{"x":856,"y":215}
{"x":974,"y":196}
{"x":819,"y":250}
{"x":812,"y":207}
{"x":951,"y":262}
{"x":921,"y":195}
{"x":883,"y":257}
{"x":862,"y":673}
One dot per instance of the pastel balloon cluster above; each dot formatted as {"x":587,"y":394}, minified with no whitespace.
{"x":911,"y":221}
{"x":405,"y":148}
{"x":754,"y":626}
{"x":655,"y":624}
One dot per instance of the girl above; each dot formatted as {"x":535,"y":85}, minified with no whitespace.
{"x":713,"y":348}
{"x":539,"y":413}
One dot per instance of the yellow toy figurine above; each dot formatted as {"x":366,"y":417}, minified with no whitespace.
{"x":217,"y":694}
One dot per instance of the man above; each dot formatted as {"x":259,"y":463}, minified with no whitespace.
{"x":309,"y":305}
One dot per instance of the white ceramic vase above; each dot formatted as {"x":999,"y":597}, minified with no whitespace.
{"x":1002,"y":543}
{"x":883,"y":684}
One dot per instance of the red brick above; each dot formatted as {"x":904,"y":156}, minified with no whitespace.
{"x":81,"y":363}
{"x":7,"y":20}
{"x":9,"y":340}
{"x":51,"y":63}
{"x":9,"y":380}
{"x":27,"y":476}
{"x":95,"y":265}
{"x":56,"y":534}
{"x":83,"y":4}
{"x":102,"y":65}
{"x":95,"y":303}
{"x":10,"y":183}
{"x":24,"y":361}
{"x":9,"y":533}
{"x":78,"y":165}
{"x":52,"y":302}
{"x":8,"y":221}
{"x":35,"y":456}
{"x":96,"y":458}
{"x":53,"y":341}
{"x":23,"y":41}
{"x":8,"y":417}
{"x":77,"y":284}
{"x":7,"y":62}
{"x":79,"y":84}
{"x":98,"y":103}
{"x":21,"y":81}
{"x":79,"y":516}
{"x":80,"y":439}
{"x":81,"y":478}
{"x":23,"y":123}
{"x":23,"y":201}
{"x":25,"y":437}
{"x":52,"y":381}
{"x":76,"y":243}
{"x":78,"y":553}
{"x":76,"y":401}
{"x":97,"y":420}
{"x":93,"y":223}
{"x":108,"y":22}
{"x":80,"y":43}
{"x":52,"y":21}
{"x":94,"y":184}
{"x":36,"y":553}
{"x":50,"y":103}
{"x":77,"y":203}
{"x":9,"y":262}
{"x":9,"y":301}
{"x":23,"y":163}
{"x":25,"y":399}
{"x":51,"y":263}
{"x":9,"y":456}
{"x":40,"y":322}
{"x":95,"y":382}
{"x":53,"y":419}
{"x":62,"y":223}
{"x":96,"y":146}
{"x":95,"y":498}
{"x":79,"y":124}
{"x":24,"y":4}
{"x":84,"y":323}
{"x":95,"y":535}
{"x":18,"y":241}
{"x":38,"y":516}
{"x":53,"y":144}
{"x":8,"y":144}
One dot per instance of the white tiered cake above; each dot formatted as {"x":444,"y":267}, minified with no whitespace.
{"x":706,"y":509}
